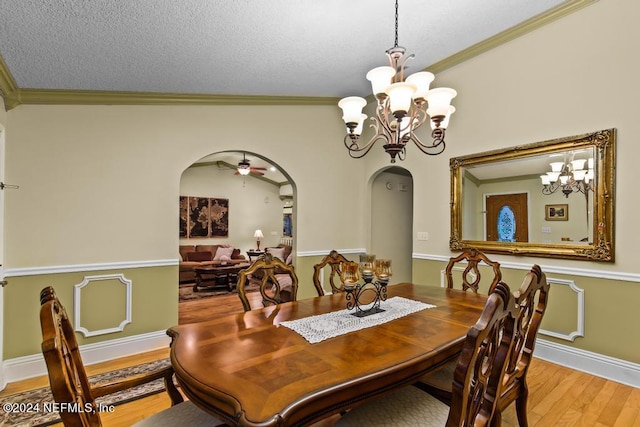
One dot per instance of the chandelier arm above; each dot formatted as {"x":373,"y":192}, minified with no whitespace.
{"x":403,"y":153}
{"x":434,"y":149}
{"x":382,"y":120}
{"x":362,"y":150}
{"x":420,"y":115}
{"x":401,"y":66}
{"x":354,"y":147}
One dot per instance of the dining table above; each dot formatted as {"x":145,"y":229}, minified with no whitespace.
{"x":255,"y":369}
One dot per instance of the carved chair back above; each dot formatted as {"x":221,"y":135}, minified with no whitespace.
{"x":67,"y":376}
{"x":334,"y":260}
{"x":479,"y":373}
{"x":531,"y":299}
{"x":471,"y":276}
{"x":278,"y":281}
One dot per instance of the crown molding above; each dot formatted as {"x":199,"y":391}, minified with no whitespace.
{"x":96,"y":97}
{"x":510,"y":34}
{"x":14,"y":96}
{"x":8,"y":87}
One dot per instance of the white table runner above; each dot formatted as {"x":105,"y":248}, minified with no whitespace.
{"x":324,"y":326}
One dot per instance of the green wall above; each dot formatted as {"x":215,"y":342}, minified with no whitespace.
{"x":154,"y":305}
{"x":607,"y":330}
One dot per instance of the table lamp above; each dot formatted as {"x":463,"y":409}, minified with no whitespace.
{"x":258,"y":235}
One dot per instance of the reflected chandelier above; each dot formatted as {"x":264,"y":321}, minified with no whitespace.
{"x":569,"y":177}
{"x":402,"y":107}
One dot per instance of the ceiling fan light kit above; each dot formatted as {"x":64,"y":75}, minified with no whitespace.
{"x":403,"y":105}
{"x":244,"y":167}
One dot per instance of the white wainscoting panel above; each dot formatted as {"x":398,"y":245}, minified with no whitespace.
{"x":579,"y":331}
{"x":77,"y":304}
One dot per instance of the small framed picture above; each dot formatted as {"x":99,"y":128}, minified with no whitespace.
{"x":556,"y":212}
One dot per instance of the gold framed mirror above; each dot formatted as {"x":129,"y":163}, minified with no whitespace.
{"x":551,"y":199}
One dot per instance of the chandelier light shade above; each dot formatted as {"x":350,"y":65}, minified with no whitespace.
{"x":403,"y":105}
{"x":569,"y":177}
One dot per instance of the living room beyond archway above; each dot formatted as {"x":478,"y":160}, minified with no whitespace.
{"x":221,"y":210}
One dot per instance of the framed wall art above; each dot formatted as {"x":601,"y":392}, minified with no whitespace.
{"x":203,"y":217}
{"x":556,"y":212}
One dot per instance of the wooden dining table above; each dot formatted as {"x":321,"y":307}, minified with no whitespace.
{"x":251,"y":371}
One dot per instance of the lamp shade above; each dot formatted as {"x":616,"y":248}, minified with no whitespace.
{"x":358,"y":129}
{"x":553,"y":176}
{"x":258,"y":234}
{"x":380,"y":78}
{"x":557,"y":166}
{"x":421,"y":80}
{"x":578,"y":164}
{"x":352,"y":108}
{"x":244,"y":171}
{"x":439,"y":100}
{"x":400,"y":95}
{"x":445,"y":122}
{"x":579,"y":175}
{"x":545,"y":179}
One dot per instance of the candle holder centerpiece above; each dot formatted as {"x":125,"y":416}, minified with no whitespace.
{"x":365,"y":297}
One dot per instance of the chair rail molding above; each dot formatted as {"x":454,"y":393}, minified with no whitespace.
{"x":572,"y":271}
{"x":79,"y":268}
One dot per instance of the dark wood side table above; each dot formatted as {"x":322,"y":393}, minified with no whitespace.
{"x":254,"y":254}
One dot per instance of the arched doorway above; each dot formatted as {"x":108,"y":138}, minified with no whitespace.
{"x":392,"y":220}
{"x":262,"y":199}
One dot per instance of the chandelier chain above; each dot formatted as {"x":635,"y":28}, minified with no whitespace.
{"x":396,"y":41}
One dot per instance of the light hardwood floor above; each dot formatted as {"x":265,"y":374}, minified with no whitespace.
{"x":558,"y":396}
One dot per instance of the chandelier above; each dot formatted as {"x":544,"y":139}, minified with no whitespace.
{"x":402,"y":107}
{"x":569,"y":177}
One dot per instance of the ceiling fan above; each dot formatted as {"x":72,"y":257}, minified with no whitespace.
{"x":244,"y":168}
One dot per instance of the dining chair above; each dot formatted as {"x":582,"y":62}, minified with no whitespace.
{"x":438,"y":382}
{"x":70,"y":385}
{"x":531,"y":299}
{"x":278,"y":281}
{"x":471,"y":276}
{"x":334,"y":260}
{"x":477,"y":379}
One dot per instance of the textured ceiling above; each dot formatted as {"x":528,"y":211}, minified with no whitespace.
{"x":242,"y":47}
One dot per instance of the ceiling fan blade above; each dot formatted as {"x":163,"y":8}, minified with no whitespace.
{"x":257,"y":173}
{"x":258,"y":168}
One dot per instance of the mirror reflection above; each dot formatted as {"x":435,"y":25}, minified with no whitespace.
{"x":506,"y":201}
{"x":553,"y":198}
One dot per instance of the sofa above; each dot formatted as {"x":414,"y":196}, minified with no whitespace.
{"x":192,"y":256}
{"x":281,"y":251}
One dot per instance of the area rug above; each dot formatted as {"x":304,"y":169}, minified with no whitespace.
{"x":185,"y":291}
{"x":43,"y":417}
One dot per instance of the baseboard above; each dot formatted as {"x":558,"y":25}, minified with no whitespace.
{"x":610,"y":368}
{"x":21,"y":368}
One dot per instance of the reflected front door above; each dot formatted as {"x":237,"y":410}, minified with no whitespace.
{"x":507,"y":218}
